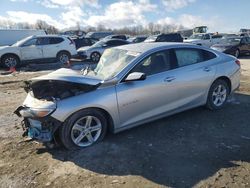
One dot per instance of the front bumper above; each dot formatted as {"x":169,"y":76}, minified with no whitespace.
{"x":41,"y":129}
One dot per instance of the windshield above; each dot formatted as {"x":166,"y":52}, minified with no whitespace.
{"x":196,"y":36}
{"x":20,"y":42}
{"x":112,"y":62}
{"x":231,"y":41}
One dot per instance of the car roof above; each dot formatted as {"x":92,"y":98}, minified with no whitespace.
{"x":49,"y":36}
{"x":146,"y":46}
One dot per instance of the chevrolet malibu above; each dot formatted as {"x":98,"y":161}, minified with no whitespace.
{"x":131,"y":85}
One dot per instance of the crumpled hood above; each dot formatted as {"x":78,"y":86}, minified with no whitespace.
{"x":69,"y":75}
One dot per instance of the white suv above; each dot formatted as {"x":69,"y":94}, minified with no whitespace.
{"x":33,"y":48}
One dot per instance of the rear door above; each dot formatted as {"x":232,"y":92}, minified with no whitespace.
{"x":193,"y":77}
{"x":31,"y":50}
{"x":51,"y":46}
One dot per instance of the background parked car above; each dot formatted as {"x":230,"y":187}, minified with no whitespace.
{"x":234,"y":46}
{"x":204,"y":39}
{"x":81,"y":42}
{"x":123,"y":37}
{"x":95,"y":51}
{"x":98,"y":35}
{"x":34,"y":48}
{"x":169,"y":37}
{"x":11,"y":36}
{"x":137,"y":39}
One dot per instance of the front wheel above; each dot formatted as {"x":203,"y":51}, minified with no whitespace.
{"x":218,"y":94}
{"x":95,"y":57}
{"x":83,"y":129}
{"x":10,"y":61}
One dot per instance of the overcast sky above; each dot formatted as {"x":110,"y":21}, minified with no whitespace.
{"x":218,"y":15}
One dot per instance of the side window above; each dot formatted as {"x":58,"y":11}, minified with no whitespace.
{"x":55,"y":40}
{"x":155,"y":63}
{"x":188,"y":56}
{"x":207,"y":37}
{"x":30,"y":42}
{"x":248,"y":40}
{"x":208,"y":55}
{"x":42,"y":41}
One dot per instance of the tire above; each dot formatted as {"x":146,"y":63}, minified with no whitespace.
{"x":217,"y":95}
{"x":63,"y":57}
{"x":76,"y":131}
{"x":237,"y":53}
{"x":10,"y":61}
{"x":95,"y":57}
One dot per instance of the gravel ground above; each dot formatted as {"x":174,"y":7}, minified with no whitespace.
{"x":196,"y":148}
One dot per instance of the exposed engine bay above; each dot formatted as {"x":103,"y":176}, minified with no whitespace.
{"x":56,"y":89}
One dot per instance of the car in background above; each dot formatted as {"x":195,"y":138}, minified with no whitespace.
{"x":169,"y":37}
{"x":235,"y":46}
{"x":131,"y":85}
{"x":123,"y":37}
{"x":11,"y":36}
{"x":98,"y":35}
{"x":37,"y":48}
{"x":95,"y":51}
{"x":137,"y":39}
{"x":81,"y":42}
{"x":204,"y":39}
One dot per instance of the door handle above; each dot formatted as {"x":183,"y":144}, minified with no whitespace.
{"x":169,"y":79}
{"x":207,"y":69}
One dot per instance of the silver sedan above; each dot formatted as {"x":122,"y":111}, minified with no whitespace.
{"x":131,"y":85}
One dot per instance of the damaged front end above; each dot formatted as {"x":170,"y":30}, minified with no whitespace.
{"x":43,"y":94}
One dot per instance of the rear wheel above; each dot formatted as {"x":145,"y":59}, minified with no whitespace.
{"x":63,"y":57}
{"x":95,"y":57}
{"x":83,"y":129}
{"x":10,"y":61}
{"x":218,"y":94}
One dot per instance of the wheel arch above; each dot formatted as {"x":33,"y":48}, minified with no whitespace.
{"x":226,"y":79}
{"x":66,"y":51}
{"x":110,"y":121}
{"x":6,"y":54}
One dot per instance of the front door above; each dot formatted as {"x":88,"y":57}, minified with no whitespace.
{"x":139,"y":100}
{"x":30,"y":50}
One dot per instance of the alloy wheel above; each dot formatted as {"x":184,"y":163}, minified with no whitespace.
{"x":219,"y":95}
{"x":86,"y":131}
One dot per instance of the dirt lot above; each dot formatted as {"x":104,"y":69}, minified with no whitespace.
{"x":196,"y":148}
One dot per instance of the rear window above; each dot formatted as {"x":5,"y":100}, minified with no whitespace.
{"x":189,"y":56}
{"x":56,"y":40}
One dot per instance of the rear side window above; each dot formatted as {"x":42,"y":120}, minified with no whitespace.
{"x":55,"y":40}
{"x":189,"y":56}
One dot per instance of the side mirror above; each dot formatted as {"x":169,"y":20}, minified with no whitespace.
{"x":135,"y":76}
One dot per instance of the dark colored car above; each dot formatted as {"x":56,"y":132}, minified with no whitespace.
{"x":122,"y":37}
{"x":169,"y":37}
{"x":235,"y":46}
{"x":137,"y":39}
{"x":81,"y":42}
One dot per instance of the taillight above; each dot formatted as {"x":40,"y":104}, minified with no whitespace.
{"x":237,"y":62}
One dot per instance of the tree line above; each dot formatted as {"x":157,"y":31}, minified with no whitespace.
{"x":150,"y":28}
